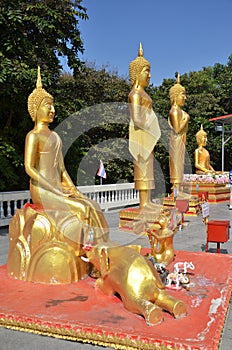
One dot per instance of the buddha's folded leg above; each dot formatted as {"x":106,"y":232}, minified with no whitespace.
{"x":94,"y":219}
{"x":97,"y":221}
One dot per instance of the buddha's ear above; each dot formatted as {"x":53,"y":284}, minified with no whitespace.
{"x":136,"y":83}
{"x":174,"y":101}
{"x":35,"y":111}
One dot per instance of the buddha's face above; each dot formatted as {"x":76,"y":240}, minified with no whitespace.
{"x":180,"y":98}
{"x":144,"y":76}
{"x":46,"y":111}
{"x":203,"y":140}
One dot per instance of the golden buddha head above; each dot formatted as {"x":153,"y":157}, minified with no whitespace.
{"x":36,"y":97}
{"x":201,"y":137}
{"x":138,"y":65}
{"x":177,"y":92}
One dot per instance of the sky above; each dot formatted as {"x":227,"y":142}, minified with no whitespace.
{"x":177,"y":36}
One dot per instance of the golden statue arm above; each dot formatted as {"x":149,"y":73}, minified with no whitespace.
{"x":138,"y":112}
{"x":30,"y":156}
{"x":179,"y":125}
{"x":69,"y":187}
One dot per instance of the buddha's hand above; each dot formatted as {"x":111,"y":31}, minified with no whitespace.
{"x":73,"y":192}
{"x":60,"y":193}
{"x":186,"y":118}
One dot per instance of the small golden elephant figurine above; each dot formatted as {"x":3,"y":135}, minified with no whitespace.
{"x":125,"y":271}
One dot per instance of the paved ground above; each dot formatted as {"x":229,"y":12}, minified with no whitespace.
{"x":192,"y":238}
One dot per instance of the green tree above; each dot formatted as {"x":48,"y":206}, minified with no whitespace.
{"x":41,"y":32}
{"x":33,"y":32}
{"x":223,"y":79}
{"x":208,"y":96}
{"x":92,"y":96}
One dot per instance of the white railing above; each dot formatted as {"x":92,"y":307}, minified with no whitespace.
{"x":108,"y":196}
{"x":9,"y":202}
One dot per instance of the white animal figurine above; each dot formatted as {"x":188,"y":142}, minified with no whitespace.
{"x":174,"y":280}
{"x":183,"y":267}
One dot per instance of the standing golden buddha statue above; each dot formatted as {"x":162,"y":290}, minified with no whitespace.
{"x":201,"y":155}
{"x":144,"y":131}
{"x":178,"y":120}
{"x":46,"y":237}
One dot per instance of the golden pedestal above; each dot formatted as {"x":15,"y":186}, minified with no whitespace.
{"x":193,"y":208}
{"x":216,"y":192}
{"x":130,"y":218}
{"x":41,"y":251}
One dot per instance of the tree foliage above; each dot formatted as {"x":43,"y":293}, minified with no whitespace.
{"x":41,"y":32}
{"x":96,"y":105}
{"x":208,"y":96}
{"x":33,"y":33}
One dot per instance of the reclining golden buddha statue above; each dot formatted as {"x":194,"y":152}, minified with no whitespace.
{"x":47,"y":236}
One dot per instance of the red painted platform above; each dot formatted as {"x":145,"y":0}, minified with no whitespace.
{"x":79,"y":312}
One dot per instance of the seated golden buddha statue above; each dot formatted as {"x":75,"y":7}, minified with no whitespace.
{"x":178,"y":121}
{"x":201,"y":155}
{"x":144,"y":130}
{"x":46,"y":237}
